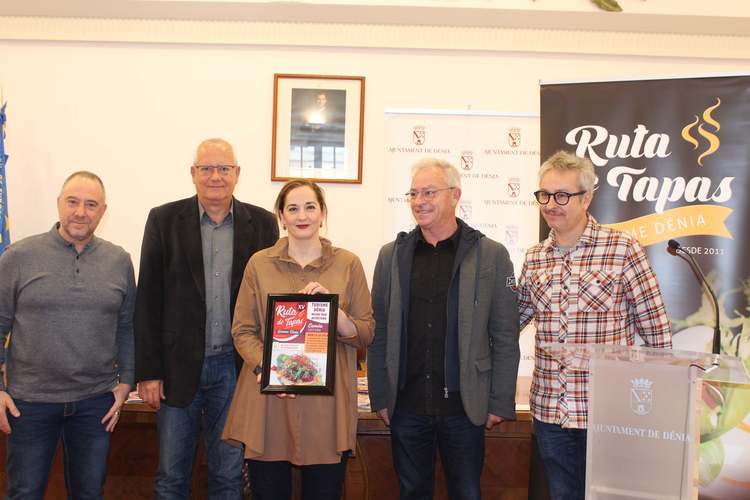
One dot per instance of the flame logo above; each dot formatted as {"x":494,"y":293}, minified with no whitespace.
{"x":713,"y":140}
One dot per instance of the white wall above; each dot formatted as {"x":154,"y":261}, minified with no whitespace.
{"x":134,"y":112}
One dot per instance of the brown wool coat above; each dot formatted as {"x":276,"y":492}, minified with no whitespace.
{"x":309,"y":429}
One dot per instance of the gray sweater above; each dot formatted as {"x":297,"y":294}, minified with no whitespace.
{"x":71,"y":318}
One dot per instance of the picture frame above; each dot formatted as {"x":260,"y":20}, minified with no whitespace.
{"x":299,"y":351}
{"x":318,"y":128}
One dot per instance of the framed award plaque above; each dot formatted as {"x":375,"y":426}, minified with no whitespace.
{"x":299,"y":352}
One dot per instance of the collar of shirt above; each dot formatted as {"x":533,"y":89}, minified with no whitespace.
{"x":588,"y":237}
{"x":452,"y":240}
{"x":205,"y":219}
{"x":280,"y":251}
{"x":58,"y":239}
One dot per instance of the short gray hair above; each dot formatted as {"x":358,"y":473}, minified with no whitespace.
{"x":86,"y":175}
{"x":452,"y":177}
{"x":565,"y":161}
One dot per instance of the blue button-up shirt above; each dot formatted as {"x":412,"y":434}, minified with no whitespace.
{"x":218,"y":249}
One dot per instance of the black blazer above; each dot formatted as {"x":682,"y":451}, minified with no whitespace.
{"x":170,"y":313}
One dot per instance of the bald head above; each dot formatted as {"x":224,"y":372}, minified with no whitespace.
{"x":84,"y":174}
{"x":217,"y":145}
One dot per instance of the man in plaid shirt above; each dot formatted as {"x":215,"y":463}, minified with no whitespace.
{"x":584,"y":284}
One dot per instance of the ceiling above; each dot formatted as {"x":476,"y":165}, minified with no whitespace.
{"x":718,"y":17}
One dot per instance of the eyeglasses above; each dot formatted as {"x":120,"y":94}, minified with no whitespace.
{"x":427,"y":194}
{"x":208,"y":170}
{"x":561,"y":197}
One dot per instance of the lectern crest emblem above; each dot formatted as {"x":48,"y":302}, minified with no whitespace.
{"x":641,"y":396}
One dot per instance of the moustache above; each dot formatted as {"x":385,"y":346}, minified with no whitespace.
{"x":553,"y":211}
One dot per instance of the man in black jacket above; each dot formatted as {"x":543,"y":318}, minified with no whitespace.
{"x":444,"y":361}
{"x":193,"y":255}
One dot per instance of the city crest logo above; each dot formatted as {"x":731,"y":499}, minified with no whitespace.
{"x":514,"y":137}
{"x":419,"y":135}
{"x":467,"y":160}
{"x":641,"y":396}
{"x":710,"y":136}
{"x":464,"y":210}
{"x":514,"y":187}
{"x":511,"y":235}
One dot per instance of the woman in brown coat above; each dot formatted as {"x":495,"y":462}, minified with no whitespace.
{"x":316,"y":432}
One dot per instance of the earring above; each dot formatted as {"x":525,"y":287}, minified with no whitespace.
{"x":283,"y":226}
{"x":321,"y":224}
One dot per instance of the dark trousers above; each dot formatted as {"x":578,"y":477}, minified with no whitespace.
{"x":414,"y":439}
{"x":34,"y":439}
{"x":563,"y":453}
{"x":273,"y":480}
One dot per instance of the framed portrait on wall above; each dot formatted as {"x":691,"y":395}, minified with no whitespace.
{"x":318,"y":126}
{"x":299,"y":351}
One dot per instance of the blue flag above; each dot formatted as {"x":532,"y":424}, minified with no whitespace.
{"x":4,"y":224}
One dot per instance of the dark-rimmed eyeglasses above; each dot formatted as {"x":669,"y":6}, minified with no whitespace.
{"x":427,"y":194}
{"x":561,"y":197}
{"x":208,"y":170}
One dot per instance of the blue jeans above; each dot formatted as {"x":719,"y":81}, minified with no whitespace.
{"x":273,"y":480}
{"x":35,"y":436}
{"x":461,"y":446}
{"x":178,"y":436}
{"x":563,"y":453}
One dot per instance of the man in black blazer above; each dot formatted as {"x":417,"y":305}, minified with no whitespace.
{"x":193,"y":256}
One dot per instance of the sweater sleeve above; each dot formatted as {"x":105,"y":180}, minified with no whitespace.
{"x":246,"y":326}
{"x":8,"y":280}
{"x":125,"y":339}
{"x":360,"y":307}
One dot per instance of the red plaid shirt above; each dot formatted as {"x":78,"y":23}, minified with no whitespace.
{"x":601,"y":291}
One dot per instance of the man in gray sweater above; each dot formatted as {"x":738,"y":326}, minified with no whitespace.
{"x":68,"y":299}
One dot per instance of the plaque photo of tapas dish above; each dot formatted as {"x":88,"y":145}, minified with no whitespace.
{"x":299,"y":349}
